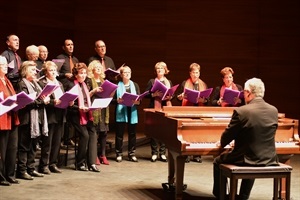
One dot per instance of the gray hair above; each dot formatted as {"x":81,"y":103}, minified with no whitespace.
{"x":255,"y":86}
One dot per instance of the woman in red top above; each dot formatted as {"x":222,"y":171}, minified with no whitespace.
{"x":8,"y":131}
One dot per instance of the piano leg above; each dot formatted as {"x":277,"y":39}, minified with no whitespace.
{"x":176,"y":164}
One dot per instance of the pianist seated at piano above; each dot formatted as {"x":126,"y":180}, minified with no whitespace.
{"x":217,"y":96}
{"x":252,"y":128}
{"x":158,"y":149}
{"x":194,"y":83}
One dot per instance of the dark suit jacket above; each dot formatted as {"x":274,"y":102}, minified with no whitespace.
{"x":216,"y":95}
{"x":24,"y":113}
{"x":65,"y":68}
{"x":13,"y":74}
{"x":253,"y":128}
{"x":109,"y":63}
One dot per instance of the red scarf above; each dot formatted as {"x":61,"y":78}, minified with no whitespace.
{"x":84,"y":116}
{"x":7,"y":117}
{"x":233,"y":87}
{"x":190,"y":85}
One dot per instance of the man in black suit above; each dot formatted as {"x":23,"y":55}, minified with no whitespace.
{"x":252,"y":128}
{"x":65,"y":72}
{"x":106,"y":61}
{"x":65,"y":76}
{"x":13,"y":43}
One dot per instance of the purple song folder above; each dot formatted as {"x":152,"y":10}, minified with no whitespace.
{"x":48,"y":89}
{"x":161,"y":87}
{"x":229,"y":95}
{"x":59,"y":63}
{"x":68,"y":96}
{"x":24,"y":99}
{"x":193,"y":95}
{"x":9,"y":100}
{"x":111,"y":73}
{"x":108,"y":89}
{"x":100,"y":103}
{"x":128,"y":98}
{"x":4,"y":109}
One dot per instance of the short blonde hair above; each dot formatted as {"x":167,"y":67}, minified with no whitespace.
{"x":48,"y":64}
{"x":194,"y":66}
{"x":161,"y":64}
{"x":24,"y":67}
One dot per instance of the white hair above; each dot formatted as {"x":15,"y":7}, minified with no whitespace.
{"x":255,"y":86}
{"x":3,"y":60}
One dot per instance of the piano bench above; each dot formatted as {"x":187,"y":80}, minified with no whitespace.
{"x":234,"y":172}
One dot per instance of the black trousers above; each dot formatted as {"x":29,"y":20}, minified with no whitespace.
{"x":120,"y":129}
{"x":8,"y":153}
{"x":26,"y":150}
{"x":87,"y":146}
{"x":157,"y":147}
{"x":50,"y":146}
{"x":246,"y":185}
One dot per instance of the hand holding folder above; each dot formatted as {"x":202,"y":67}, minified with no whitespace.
{"x":24,"y":99}
{"x":193,"y":95}
{"x":67,"y":97}
{"x":48,"y":90}
{"x":129,"y":99}
{"x":230,"y":96}
{"x":109,"y":89}
{"x":166,"y":92}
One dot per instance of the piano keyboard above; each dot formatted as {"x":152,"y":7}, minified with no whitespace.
{"x":285,"y":144}
{"x":205,"y":145}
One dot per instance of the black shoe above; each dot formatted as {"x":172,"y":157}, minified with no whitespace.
{"x":24,"y":176}
{"x":197,"y":159}
{"x":35,"y":174}
{"x":5,"y":183}
{"x":188,"y":159}
{"x":45,"y":170}
{"x":94,"y":168}
{"x":55,"y":169}
{"x":13,"y":180}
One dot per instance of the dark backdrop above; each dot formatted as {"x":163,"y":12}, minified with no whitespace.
{"x":256,"y":38}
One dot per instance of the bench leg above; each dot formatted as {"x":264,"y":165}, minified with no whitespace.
{"x":275,"y":189}
{"x":233,"y":188}
{"x":288,"y":187}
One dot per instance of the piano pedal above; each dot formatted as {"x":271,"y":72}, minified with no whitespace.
{"x":171,"y":187}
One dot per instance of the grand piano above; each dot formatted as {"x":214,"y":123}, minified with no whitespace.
{"x":197,"y":130}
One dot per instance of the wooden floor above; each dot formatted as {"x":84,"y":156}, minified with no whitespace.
{"x":133,"y":181}
{"x":67,"y":153}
